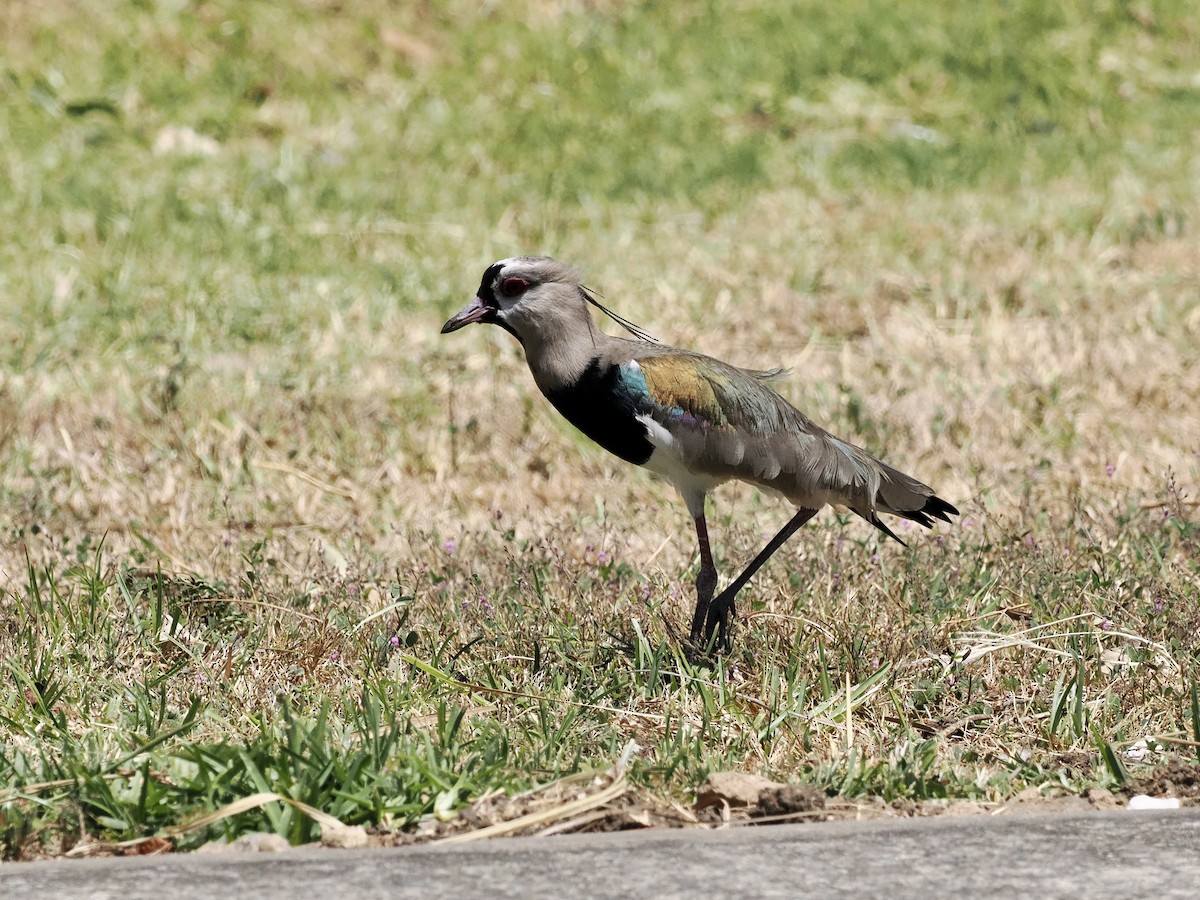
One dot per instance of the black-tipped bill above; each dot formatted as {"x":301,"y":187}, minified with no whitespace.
{"x":475,"y":311}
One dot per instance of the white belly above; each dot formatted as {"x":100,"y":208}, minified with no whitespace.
{"x":667,"y":462}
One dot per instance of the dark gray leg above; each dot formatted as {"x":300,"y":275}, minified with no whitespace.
{"x":721,"y":611}
{"x":706,"y":580}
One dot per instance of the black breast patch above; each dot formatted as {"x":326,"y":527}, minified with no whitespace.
{"x":599,"y":406}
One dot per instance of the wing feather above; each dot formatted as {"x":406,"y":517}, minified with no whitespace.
{"x":729,"y":423}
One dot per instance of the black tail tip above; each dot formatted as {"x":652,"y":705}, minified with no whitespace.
{"x":934,"y":508}
{"x":939,"y":509}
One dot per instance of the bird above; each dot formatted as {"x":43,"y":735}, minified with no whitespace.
{"x":691,"y":419}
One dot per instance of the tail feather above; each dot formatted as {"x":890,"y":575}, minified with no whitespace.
{"x":935,"y":508}
{"x":904,"y":496}
{"x":938,"y":508}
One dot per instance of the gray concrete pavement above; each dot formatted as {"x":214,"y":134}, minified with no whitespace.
{"x":1121,"y":854}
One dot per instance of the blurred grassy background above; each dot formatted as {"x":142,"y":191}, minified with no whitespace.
{"x":229,"y":232}
{"x":395,"y":148}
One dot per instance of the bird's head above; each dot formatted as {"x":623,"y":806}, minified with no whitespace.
{"x":527,"y":296}
{"x":536,"y":299}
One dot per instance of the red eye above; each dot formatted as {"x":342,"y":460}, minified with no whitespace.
{"x":513,"y":287}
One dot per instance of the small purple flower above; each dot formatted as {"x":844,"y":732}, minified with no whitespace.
{"x":334,"y":656}
{"x":486,"y":605}
{"x":1159,"y":605}
{"x":875,"y":558}
{"x":1110,"y":470}
{"x":1166,"y":513}
{"x":466,"y":604}
{"x":449,"y":547}
{"x":198,"y":678}
{"x":601,"y":557}
{"x":395,"y":641}
{"x":645,"y":592}
{"x":1029,"y":541}
{"x":1105,"y":623}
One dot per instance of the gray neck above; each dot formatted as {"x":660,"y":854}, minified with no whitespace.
{"x":557,"y":360}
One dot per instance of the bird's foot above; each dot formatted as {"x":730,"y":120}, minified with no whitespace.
{"x":703,"y":647}
{"x":697,"y":654}
{"x":712,"y":629}
{"x":721,"y":613}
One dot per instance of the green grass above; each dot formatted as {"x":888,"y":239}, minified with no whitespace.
{"x":261,"y":528}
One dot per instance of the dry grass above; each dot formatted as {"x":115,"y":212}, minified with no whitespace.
{"x":236,"y":466}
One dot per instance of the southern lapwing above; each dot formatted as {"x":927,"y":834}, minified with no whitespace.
{"x":692,"y":419}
